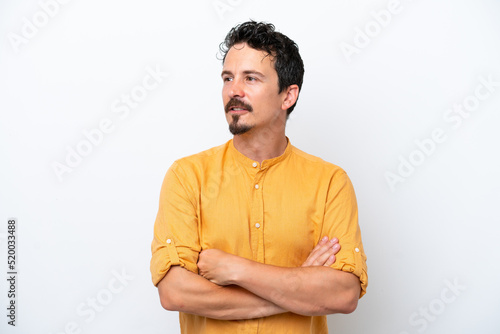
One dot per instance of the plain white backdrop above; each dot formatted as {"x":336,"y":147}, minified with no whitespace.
{"x":99,"y":98}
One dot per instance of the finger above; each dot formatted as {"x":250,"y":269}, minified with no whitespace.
{"x":330,"y":261}
{"x":336,"y":248}
{"x":315,"y":252}
{"x":311,"y":259}
{"x":334,"y":241}
{"x":326,"y":250}
{"x":320,"y":255}
{"x":325,"y":256}
{"x":307,"y":262}
{"x":320,"y":243}
{"x":321,"y":247}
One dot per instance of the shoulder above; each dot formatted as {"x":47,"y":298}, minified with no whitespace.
{"x":198,"y":161}
{"x":315,"y":163}
{"x":328,"y":176}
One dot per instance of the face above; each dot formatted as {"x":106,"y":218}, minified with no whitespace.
{"x":250,"y":90}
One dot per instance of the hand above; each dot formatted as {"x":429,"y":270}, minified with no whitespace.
{"x":323,"y":254}
{"x":217,"y":266}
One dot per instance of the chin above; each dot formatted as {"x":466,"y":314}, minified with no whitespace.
{"x":239,"y":129}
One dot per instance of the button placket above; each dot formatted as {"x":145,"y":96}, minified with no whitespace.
{"x":256,"y":222}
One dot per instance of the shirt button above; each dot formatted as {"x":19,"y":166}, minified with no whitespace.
{"x":356,"y":250}
{"x":257,"y":225}
{"x":254,"y":164}
{"x":169,"y":241}
{"x":256,"y":186}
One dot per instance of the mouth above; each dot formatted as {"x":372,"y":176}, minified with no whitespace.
{"x":237,"y":107}
{"x":237,"y":110}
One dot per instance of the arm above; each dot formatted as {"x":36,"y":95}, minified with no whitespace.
{"x":306,"y":291}
{"x":182,"y":290}
{"x":314,"y":290}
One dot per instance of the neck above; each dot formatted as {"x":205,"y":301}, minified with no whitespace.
{"x":261,"y":146}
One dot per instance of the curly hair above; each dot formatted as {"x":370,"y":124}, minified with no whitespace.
{"x":285,"y":52}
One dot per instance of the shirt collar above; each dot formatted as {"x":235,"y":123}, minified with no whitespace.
{"x":246,"y":161}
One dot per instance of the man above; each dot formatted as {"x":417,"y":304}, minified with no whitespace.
{"x":256,"y":236}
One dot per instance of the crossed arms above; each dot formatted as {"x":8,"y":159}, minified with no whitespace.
{"x":230,"y":287}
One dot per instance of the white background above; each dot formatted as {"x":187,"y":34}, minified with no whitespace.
{"x":363,"y":112}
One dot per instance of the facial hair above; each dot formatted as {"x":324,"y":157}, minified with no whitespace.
{"x":238,"y":129}
{"x":234,"y":127}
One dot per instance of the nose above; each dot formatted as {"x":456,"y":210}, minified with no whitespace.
{"x":236,"y":89}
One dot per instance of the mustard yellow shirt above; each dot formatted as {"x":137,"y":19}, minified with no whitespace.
{"x":273,"y":213}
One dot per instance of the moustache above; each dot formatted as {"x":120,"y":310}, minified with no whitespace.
{"x":237,"y":103}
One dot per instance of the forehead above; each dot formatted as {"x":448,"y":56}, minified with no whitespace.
{"x":242,"y":57}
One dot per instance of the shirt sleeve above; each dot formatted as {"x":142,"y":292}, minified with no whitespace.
{"x":176,"y":239}
{"x":341,"y":221}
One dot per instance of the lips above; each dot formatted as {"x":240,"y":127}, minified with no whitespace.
{"x":237,"y":110}
{"x":236,"y":106}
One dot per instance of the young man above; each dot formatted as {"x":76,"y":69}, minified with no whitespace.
{"x":256,"y":236}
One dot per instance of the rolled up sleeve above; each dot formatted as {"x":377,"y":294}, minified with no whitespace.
{"x":176,"y":238}
{"x":341,"y":221}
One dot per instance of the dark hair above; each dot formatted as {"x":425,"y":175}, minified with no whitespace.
{"x":285,"y":52}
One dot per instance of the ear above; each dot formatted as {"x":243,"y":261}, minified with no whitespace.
{"x":290,"y":97}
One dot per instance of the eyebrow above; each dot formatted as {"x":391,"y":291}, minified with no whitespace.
{"x":257,"y":73}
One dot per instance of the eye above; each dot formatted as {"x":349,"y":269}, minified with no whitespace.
{"x":251,"y":79}
{"x":226,"y":79}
